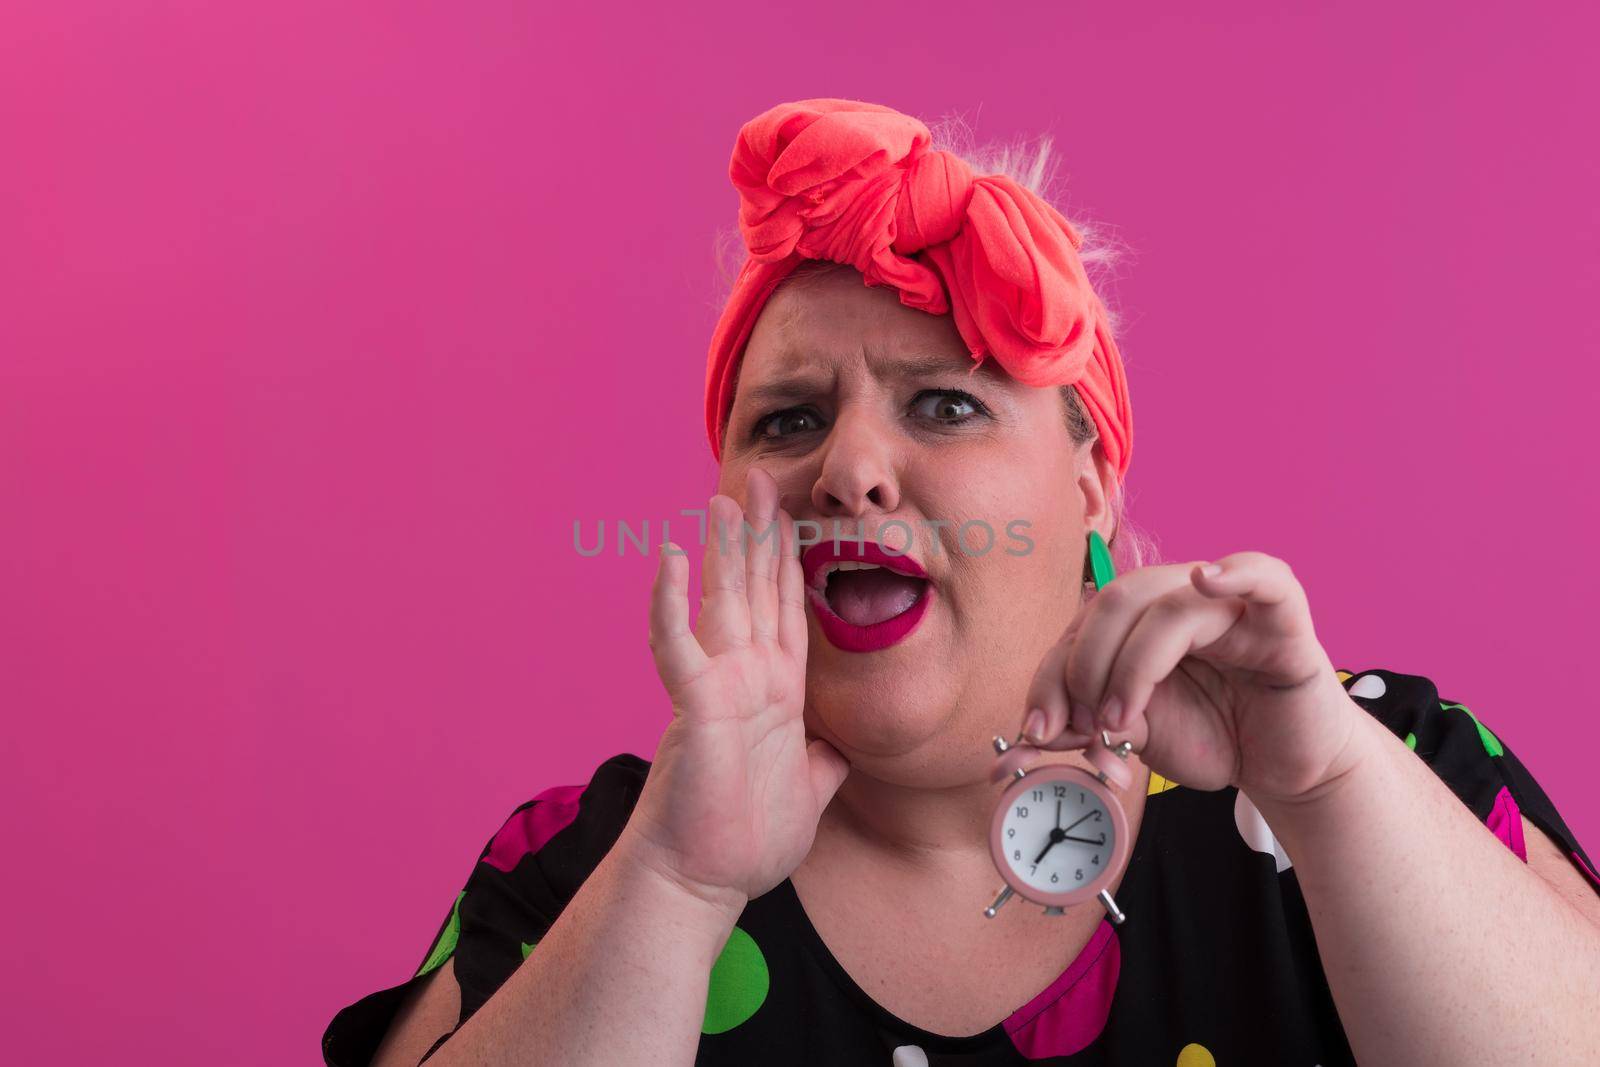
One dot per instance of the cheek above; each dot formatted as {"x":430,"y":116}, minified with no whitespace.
{"x":958,"y":488}
{"x":1006,"y":498}
{"x":794,"y":479}
{"x":1036,"y":540}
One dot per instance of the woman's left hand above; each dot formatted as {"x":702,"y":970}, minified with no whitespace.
{"x":1217,"y":681}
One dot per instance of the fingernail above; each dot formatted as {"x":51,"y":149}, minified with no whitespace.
{"x":1211,"y":570}
{"x":1034,"y":726}
{"x":1111,"y":712}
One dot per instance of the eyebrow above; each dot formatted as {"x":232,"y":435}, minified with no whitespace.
{"x":803,"y":384}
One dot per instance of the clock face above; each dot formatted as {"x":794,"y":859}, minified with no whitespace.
{"x":1057,"y":835}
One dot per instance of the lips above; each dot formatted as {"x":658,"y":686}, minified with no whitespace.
{"x":864,"y":597}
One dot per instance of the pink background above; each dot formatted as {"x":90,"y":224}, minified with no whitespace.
{"x":320,"y":324}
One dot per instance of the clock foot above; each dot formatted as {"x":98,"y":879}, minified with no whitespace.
{"x":1054,"y":911}
{"x":1005,"y":895}
{"x":1112,"y":910}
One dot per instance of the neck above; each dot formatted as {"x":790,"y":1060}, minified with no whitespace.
{"x":918,"y":827}
{"x":934,"y":835}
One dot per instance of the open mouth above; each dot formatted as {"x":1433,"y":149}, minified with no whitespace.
{"x":865,"y":598}
{"x":865,"y":594}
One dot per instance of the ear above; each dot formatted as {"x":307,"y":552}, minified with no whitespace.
{"x":1097,"y":481}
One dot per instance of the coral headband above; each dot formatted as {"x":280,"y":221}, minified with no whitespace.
{"x":856,"y":183}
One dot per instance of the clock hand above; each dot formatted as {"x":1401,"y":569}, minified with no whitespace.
{"x":1059,"y":834}
{"x":1086,"y":815}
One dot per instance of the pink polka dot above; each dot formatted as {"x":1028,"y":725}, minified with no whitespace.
{"x":526,"y":831}
{"x":1505,"y":819}
{"x":1070,"y":1014}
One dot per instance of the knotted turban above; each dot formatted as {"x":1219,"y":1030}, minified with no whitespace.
{"x":857,"y":183}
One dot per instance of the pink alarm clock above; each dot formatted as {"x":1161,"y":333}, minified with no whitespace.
{"x":1060,"y":835}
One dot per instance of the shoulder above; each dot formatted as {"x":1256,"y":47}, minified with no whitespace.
{"x":532,"y":867}
{"x":1390,"y":695}
{"x":1463,"y":746}
{"x":1430,"y":724}
{"x":1460,"y":747}
{"x":1444,"y":732}
{"x":523,"y":877}
{"x":570,"y":824}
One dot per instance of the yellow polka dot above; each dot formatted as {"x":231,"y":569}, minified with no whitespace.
{"x":1159,"y":784}
{"x":1196,"y":1056}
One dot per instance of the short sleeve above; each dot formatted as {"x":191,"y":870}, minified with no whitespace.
{"x":1461,"y":748}
{"x":524,"y":877}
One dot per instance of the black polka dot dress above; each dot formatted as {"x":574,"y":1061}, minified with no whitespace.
{"x":1217,"y":963}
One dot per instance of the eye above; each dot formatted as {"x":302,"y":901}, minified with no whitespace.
{"x":951,"y":407}
{"x":786,"y":423}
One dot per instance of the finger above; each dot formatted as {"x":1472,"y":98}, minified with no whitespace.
{"x":1144,"y":745}
{"x":1108,"y":619}
{"x":793,"y":633}
{"x":1266,"y":583}
{"x":1047,"y":692}
{"x":1177,"y":742}
{"x":1276,"y":639}
{"x":761,"y":558}
{"x":1170,"y":627}
{"x":724,"y":621}
{"x":1068,"y":739}
{"x":679,"y":657}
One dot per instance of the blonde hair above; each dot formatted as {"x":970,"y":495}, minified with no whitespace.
{"x":1031,"y":165}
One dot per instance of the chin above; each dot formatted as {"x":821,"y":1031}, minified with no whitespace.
{"x":871,"y":722}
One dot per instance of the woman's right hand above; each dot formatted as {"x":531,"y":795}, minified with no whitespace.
{"x":734,"y":794}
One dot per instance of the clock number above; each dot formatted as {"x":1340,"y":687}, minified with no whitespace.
{"x":1080,"y":796}
{"x":1061,"y":790}
{"x":1033,"y":868}
{"x":1011,"y":831}
{"x":1055,"y":878}
{"x":1038,"y":794}
{"x":1017,"y":855}
{"x":1096,"y":858}
{"x":1022,"y":812}
{"x":1080,"y":874}
{"x":1097,"y":815}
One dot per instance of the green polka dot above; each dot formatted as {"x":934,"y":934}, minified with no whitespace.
{"x":447,"y":939}
{"x":527,"y":948}
{"x":739,"y":983}
{"x":1411,"y":742}
{"x":1491,"y":743}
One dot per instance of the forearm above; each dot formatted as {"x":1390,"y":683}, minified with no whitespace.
{"x":1439,"y":945}
{"x":620,"y":977}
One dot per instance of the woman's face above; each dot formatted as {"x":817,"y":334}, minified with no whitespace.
{"x":864,"y":411}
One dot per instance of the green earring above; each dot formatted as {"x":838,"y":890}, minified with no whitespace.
{"x":1100,"y":560}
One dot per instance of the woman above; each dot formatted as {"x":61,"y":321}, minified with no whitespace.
{"x":1328,"y":865}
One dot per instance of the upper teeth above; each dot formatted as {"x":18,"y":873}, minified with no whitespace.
{"x":842,"y":565}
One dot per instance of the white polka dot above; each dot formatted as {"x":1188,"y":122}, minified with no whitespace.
{"x":1368,"y":687}
{"x":1257,"y":834}
{"x":909,"y":1056}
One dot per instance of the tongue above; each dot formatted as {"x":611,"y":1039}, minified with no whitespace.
{"x":867,"y":597}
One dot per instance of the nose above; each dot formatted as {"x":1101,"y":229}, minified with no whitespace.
{"x":858,"y":469}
